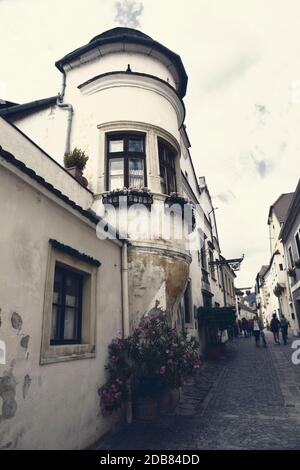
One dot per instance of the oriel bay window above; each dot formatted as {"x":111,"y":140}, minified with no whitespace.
{"x":126,"y":161}
{"x":167,"y":168}
{"x":66,"y":306}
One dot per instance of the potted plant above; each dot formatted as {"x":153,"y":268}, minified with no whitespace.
{"x":156,"y":360}
{"x":186,"y":208}
{"x":75,"y":162}
{"x":292,"y":272}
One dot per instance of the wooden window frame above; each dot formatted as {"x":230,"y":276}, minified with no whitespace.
{"x":59,"y":339}
{"x":161,"y":143}
{"x":69,"y":351}
{"x":125,"y":154}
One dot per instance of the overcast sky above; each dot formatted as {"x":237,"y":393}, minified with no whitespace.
{"x":243,"y":104}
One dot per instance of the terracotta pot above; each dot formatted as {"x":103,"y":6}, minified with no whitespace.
{"x":168,"y":400}
{"x":145,"y":409}
{"x":78,"y":175}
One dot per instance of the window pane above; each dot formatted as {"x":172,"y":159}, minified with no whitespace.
{"x":70,"y":327}
{"x":54,"y":321}
{"x":72,"y":291}
{"x":116,"y":173}
{"x":136,"y":173}
{"x":57,"y":291}
{"x":136,"y":145}
{"x":116,"y":146}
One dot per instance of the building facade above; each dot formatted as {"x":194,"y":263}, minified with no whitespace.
{"x":88,"y":264}
{"x":290,"y":237}
{"x":272,"y":283}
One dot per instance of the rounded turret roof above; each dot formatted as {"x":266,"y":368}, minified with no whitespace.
{"x":133,"y":36}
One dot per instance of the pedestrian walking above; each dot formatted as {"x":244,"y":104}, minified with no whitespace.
{"x":240,"y":327}
{"x":256,"y":331}
{"x":284,"y":328}
{"x":250,"y":327}
{"x":244,"y":327}
{"x":274,"y":327}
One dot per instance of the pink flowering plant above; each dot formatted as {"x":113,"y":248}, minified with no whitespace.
{"x":115,"y":391}
{"x":153,"y":358}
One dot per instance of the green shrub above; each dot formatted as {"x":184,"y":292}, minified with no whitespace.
{"x":76,"y":158}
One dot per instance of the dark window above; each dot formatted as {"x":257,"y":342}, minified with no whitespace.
{"x":203,"y":257}
{"x":281,"y":267}
{"x":291,"y":257}
{"x":167,"y":167}
{"x":212,"y":265}
{"x":297,"y":238}
{"x":187,"y":304}
{"x":66,"y":306}
{"x":126,"y":161}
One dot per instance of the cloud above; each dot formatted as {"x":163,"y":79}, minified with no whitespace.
{"x":233,"y":70}
{"x":263,"y":167}
{"x":226,"y":197}
{"x":128,"y":12}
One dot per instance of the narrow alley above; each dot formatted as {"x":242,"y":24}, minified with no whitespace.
{"x":247,"y":399}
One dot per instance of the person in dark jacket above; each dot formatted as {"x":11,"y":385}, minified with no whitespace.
{"x":274,"y":327}
{"x":284,"y":328}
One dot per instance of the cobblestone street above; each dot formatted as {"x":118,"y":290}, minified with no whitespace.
{"x":248,"y":399}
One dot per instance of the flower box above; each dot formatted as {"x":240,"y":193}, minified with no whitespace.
{"x":186,"y":206}
{"x":297,"y":263}
{"x":129,"y":196}
{"x":292,"y":272}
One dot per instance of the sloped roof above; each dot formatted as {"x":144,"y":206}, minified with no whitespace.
{"x":6,"y":104}
{"x":28,"y":108}
{"x":133,"y":36}
{"x":281,"y":207}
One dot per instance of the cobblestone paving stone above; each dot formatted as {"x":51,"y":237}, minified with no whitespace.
{"x":247,"y":399}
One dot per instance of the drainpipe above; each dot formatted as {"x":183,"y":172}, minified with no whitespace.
{"x":125,"y":301}
{"x":125,"y":319}
{"x":69,"y":108}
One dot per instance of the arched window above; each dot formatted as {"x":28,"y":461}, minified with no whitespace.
{"x":167,"y":167}
{"x":126,"y":161}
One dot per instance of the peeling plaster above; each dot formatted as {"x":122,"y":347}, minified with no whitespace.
{"x":26,"y":385}
{"x":16,"y":321}
{"x":8,"y":394}
{"x":24,"y":341}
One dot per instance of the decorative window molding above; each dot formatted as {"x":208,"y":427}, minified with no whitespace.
{"x":84,"y":265}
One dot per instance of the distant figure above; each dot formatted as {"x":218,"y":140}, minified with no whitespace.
{"x":244,"y":327}
{"x":284,"y":328}
{"x":240,"y":327}
{"x":256,"y":331}
{"x":250,"y":327}
{"x":274,"y":327}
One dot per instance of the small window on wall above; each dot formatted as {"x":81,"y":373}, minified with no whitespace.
{"x":66,"y":307}
{"x":167,"y":168}
{"x":126,"y":161}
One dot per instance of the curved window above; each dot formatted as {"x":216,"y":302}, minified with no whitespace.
{"x":126,"y":161}
{"x":167,"y":168}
